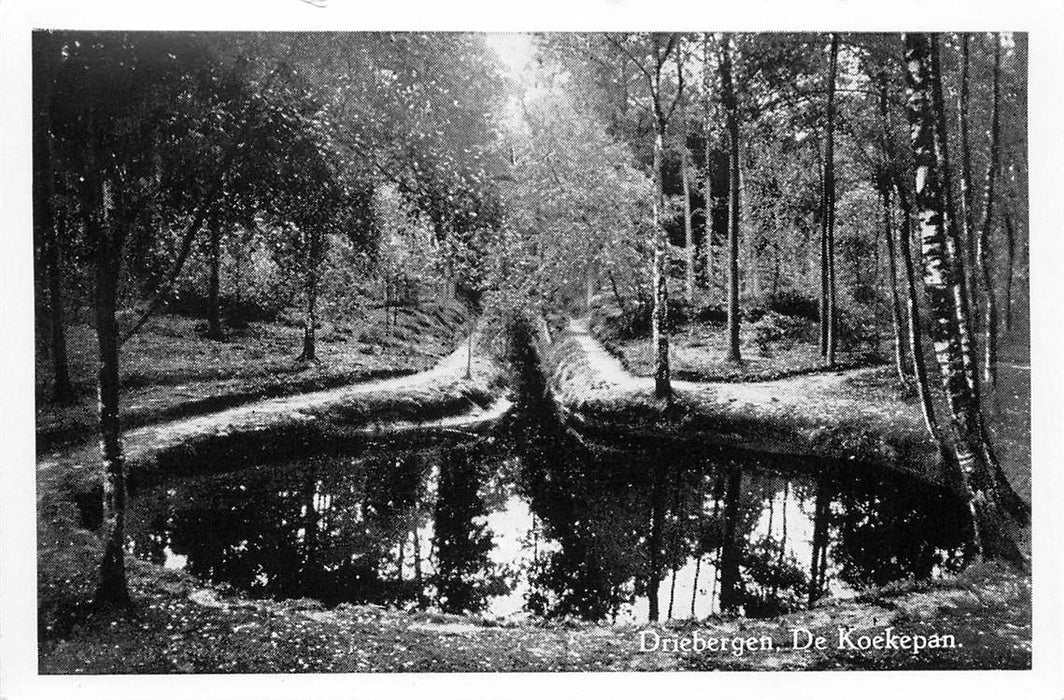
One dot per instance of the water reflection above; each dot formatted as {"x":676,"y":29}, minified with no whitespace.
{"x":397,"y":527}
{"x":552,"y":527}
{"x":535,"y":519}
{"x":731,"y":537}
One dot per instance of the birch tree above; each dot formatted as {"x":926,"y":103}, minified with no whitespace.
{"x":828,"y":326}
{"x":651,"y":62}
{"x":731,"y":108}
{"x":997,"y":513}
{"x":983,"y":253}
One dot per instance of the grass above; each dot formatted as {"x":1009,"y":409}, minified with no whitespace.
{"x":698,"y":353}
{"x":169,"y":370}
{"x":850,"y":416}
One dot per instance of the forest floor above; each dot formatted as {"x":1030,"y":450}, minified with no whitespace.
{"x":181,"y":626}
{"x":856,"y":415}
{"x":698,"y":352}
{"x":169,"y":370}
{"x":443,"y":396}
{"x":792,"y":383}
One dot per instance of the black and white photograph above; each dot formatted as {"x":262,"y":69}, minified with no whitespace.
{"x":406,"y":351}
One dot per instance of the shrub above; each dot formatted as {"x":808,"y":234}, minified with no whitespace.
{"x":791,"y":302}
{"x":712,"y":314}
{"x":776,"y":329}
{"x":856,"y":329}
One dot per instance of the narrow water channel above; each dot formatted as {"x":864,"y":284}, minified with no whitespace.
{"x":529,"y":520}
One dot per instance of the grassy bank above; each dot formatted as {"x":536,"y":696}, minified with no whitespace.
{"x":777,"y":339}
{"x":844,"y":416}
{"x":782,"y":346}
{"x":169,"y":370}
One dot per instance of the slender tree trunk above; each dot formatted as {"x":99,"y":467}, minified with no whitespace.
{"x":589,"y":287}
{"x":111,"y":588}
{"x":469,"y":348}
{"x":418,"y":575}
{"x":886,"y":176}
{"x":694,"y":586}
{"x":895,"y":302}
{"x":50,"y":229}
{"x":967,"y":205}
{"x":309,"y":353}
{"x":63,"y":391}
{"x":659,"y":319}
{"x":730,"y":587}
{"x":718,"y":494}
{"x":1010,"y":237}
{"x":310,"y":528}
{"x":657,"y":525}
{"x":310,"y":322}
{"x":820,"y":537}
{"x":214,"y":310}
{"x":678,"y":515}
{"x":967,"y":198}
{"x":707,"y":175}
{"x":732,"y":109}
{"x":689,"y":239}
{"x":916,"y":343}
{"x":783,"y":535}
{"x":983,"y":252}
{"x":685,"y":179}
{"x":827,"y":218}
{"x":701,"y":501}
{"x":415,"y":526}
{"x":777,"y":268}
{"x":877,"y":339}
{"x":771,"y":510}
{"x":954,"y":246}
{"x":995,"y":514}
{"x":672,"y":593}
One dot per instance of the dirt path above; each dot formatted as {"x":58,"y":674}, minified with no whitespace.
{"x":440,"y":397}
{"x":845,"y":415}
{"x":611,"y":371}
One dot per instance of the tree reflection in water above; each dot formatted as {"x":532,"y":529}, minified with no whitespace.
{"x":603,"y":529}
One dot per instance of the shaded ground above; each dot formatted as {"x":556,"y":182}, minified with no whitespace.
{"x":169,"y":370}
{"x":181,"y":627}
{"x":442,"y":394}
{"x":843,"y":415}
{"x":697,"y":354}
{"x":870,"y":395}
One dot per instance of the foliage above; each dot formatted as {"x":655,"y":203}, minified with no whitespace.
{"x":576,"y":209}
{"x":774,"y":329}
{"x":792,"y":302}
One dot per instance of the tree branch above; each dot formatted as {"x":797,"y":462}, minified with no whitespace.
{"x":197,"y":221}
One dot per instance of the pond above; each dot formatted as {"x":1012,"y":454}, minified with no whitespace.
{"x":529,"y":520}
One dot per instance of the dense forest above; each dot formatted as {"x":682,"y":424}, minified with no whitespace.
{"x":716,"y":207}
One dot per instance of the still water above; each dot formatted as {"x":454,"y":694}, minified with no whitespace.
{"x":530,"y":521}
